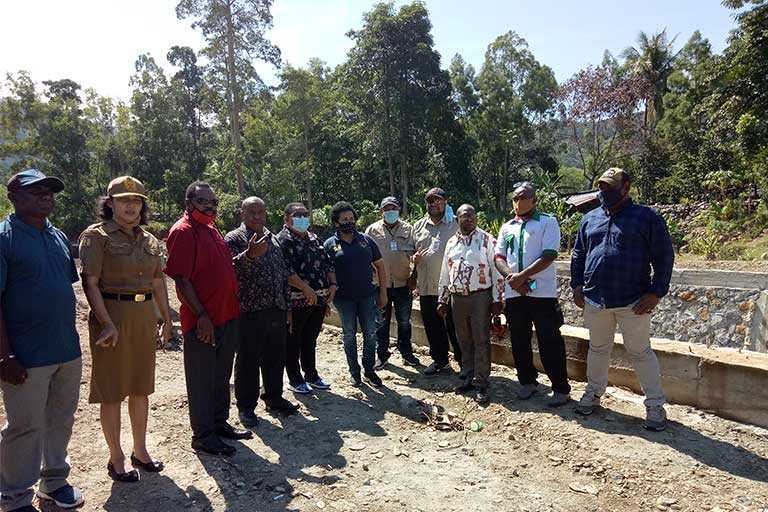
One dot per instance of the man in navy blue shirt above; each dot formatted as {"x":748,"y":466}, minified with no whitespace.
{"x":617,"y":246}
{"x":40,"y":364}
{"x":354,"y":256}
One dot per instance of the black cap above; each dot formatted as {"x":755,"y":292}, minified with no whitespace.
{"x":437,"y":191}
{"x":34,"y":177}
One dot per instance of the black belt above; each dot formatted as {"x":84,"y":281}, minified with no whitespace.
{"x":128,"y":297}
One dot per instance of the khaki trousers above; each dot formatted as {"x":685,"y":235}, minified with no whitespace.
{"x":472,"y":317}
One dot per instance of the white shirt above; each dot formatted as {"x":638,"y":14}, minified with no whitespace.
{"x":468,"y":266}
{"x":521,"y":242}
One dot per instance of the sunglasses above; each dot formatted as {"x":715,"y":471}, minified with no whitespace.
{"x":206,"y":202}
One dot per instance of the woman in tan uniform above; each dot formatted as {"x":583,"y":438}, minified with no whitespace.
{"x":122,"y":274}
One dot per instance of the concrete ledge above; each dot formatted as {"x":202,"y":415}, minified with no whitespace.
{"x":727,"y":382}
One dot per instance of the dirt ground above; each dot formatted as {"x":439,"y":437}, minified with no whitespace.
{"x":361,"y":449}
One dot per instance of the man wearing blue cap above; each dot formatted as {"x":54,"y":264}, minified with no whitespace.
{"x":40,"y":363}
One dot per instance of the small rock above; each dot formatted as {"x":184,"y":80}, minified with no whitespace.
{"x":357,"y":447}
{"x":320,"y":504}
{"x":584,"y":488}
{"x":443,"y":444}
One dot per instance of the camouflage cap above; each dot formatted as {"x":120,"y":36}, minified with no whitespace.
{"x":614,"y":177}
{"x":126,"y":186}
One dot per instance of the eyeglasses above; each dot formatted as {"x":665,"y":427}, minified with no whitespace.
{"x":206,"y":202}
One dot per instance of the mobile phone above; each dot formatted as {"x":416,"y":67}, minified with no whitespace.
{"x":532,"y":285}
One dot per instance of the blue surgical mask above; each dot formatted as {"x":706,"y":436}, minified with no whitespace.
{"x":391,"y":216}
{"x":449,"y":216}
{"x":301,"y":224}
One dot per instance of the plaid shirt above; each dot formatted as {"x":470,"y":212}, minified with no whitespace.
{"x":614,"y":253}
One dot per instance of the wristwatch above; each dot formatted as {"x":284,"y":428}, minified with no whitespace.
{"x":7,"y":358}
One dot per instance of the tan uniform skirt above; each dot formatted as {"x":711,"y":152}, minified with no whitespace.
{"x":127,"y":369}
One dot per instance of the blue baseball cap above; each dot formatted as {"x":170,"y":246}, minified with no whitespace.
{"x":34,"y":177}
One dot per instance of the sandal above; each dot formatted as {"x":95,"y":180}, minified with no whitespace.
{"x":154,"y":466}
{"x":126,"y":477}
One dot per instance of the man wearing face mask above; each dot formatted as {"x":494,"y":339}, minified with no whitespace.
{"x":395,"y":240}
{"x":526,"y":249}
{"x":200,"y":264}
{"x":616,"y":247}
{"x":311,"y":297}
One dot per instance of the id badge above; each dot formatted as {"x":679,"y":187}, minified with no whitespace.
{"x":393,"y":245}
{"x":435,"y":245}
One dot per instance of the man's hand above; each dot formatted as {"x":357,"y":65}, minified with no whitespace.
{"x":578,"y":297}
{"x":257,"y":246}
{"x":383,"y":299}
{"x":205,"y":330}
{"x":12,"y":372}
{"x":411,"y":283}
{"x":516,"y":280}
{"x":418,"y":256}
{"x":646,"y":304}
{"x":496,"y":308}
{"x":524,"y":289}
{"x":442,"y":310}
{"x":166,"y":332}
{"x":331,"y":294}
{"x":107,"y":337}
{"x":310,"y":295}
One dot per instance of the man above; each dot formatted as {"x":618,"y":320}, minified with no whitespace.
{"x":394,"y":237}
{"x":314,"y":275}
{"x":264,"y":301}
{"x":526,"y":249}
{"x":616,"y":247}
{"x":430,"y":235}
{"x":473,"y":286}
{"x":355,"y":255}
{"x":200,"y":264}
{"x":40,"y":364}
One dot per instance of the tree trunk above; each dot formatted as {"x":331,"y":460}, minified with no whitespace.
{"x":404,"y":184}
{"x":391,"y":175}
{"x":308,"y":177}
{"x":233,"y":97}
{"x":504,"y":180}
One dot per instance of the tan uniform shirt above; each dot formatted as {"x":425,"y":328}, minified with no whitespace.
{"x":431,"y":238}
{"x":124,"y":264}
{"x":397,"y":247}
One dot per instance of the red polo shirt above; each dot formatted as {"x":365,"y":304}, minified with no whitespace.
{"x":198,"y":253}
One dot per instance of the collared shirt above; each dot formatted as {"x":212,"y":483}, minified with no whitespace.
{"x":36,"y":275}
{"x":264,"y":279}
{"x":123,"y":263}
{"x":431,"y":238}
{"x":307,"y":258}
{"x":614,"y":253}
{"x":523,"y":241}
{"x":198,"y":253}
{"x":353,"y":262}
{"x":397,"y":247}
{"x":468,"y":266}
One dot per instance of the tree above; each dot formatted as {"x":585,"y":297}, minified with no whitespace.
{"x":235,"y":33}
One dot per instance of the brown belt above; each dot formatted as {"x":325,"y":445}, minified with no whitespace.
{"x":128,"y":297}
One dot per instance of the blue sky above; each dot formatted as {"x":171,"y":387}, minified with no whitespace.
{"x":96,"y":42}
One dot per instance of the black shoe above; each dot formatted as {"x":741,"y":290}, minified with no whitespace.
{"x":227,"y":431}
{"x":381,"y":362}
{"x":27,"y":508}
{"x":282,"y":406}
{"x":248,"y":419}
{"x":214,"y":446}
{"x":411,"y":360}
{"x":153,"y":466}
{"x":482,"y":397}
{"x":355,"y":381}
{"x":465,"y":387}
{"x":125,"y":477}
{"x":373,"y":379}
{"x":435,"y":368}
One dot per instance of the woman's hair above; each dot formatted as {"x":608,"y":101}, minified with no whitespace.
{"x":105,"y":212}
{"x":339,"y":208}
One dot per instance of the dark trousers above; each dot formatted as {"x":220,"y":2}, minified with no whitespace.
{"x":438,"y":331}
{"x":302,"y":344}
{"x":207,"y":369}
{"x":261,"y":354}
{"x":401,"y":300}
{"x":524,"y":312}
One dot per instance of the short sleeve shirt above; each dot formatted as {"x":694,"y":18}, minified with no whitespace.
{"x":123,"y":263}
{"x":521,"y":242}
{"x":431,"y":239}
{"x":306,"y":257}
{"x":354,"y":265}
{"x":397,"y":247}
{"x":198,"y":253}
{"x":36,"y":275}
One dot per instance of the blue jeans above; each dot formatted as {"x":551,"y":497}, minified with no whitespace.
{"x":352,"y":311}
{"x":401,"y":300}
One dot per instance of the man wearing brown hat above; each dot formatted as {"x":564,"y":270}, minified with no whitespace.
{"x":616,"y":247}
{"x":40,"y":363}
{"x":430,"y":234}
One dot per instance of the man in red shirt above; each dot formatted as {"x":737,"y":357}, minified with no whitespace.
{"x":201,"y":265}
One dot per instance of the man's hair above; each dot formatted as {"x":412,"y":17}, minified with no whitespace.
{"x":339,"y":208}
{"x":106,"y":213}
{"x":191,"y":192}
{"x":292,"y":208}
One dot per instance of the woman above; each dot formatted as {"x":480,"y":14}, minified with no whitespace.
{"x":122,"y":274}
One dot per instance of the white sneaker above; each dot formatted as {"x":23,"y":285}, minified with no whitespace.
{"x":588,"y":403}
{"x":302,"y":389}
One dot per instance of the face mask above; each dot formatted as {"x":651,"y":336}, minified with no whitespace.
{"x":391,"y":216}
{"x":609,"y":197}
{"x":203,"y":218}
{"x":301,"y":224}
{"x":347,"y":227}
{"x":449,"y":216}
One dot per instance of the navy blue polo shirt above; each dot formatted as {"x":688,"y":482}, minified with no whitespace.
{"x":353,"y":263}
{"x":36,"y":275}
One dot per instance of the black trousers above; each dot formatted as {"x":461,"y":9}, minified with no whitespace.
{"x":438,"y":331}
{"x":302,"y":344}
{"x":522,"y":314}
{"x":207,"y":369}
{"x":261,"y":355}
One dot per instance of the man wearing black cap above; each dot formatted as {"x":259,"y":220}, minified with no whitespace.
{"x":430,"y":234}
{"x":394,"y":237}
{"x":40,"y":364}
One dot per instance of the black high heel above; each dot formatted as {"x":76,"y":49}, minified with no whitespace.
{"x":154,"y":466}
{"x":126,"y":477}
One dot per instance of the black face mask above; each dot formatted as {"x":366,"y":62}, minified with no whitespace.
{"x":347,"y":227}
{"x":610,"y":197}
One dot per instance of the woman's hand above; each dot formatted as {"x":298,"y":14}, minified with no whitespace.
{"x":166,"y":332}
{"x":107,"y":337}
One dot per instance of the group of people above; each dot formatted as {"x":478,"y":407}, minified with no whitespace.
{"x":255,"y":301}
